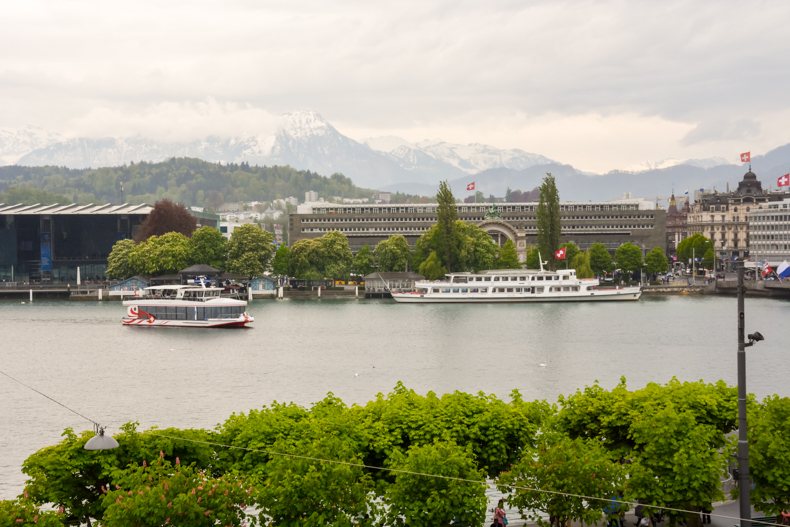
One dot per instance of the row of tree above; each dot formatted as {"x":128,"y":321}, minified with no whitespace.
{"x":408,"y":459}
{"x":450,"y":245}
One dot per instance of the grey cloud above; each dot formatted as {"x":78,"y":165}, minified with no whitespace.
{"x":714,"y":130}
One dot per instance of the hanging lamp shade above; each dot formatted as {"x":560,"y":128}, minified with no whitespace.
{"x":101,"y":441}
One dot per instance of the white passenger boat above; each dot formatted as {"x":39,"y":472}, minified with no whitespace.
{"x":515,"y":285}
{"x":185,"y":306}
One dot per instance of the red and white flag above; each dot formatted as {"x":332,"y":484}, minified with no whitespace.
{"x":783,"y":181}
{"x":470,"y":186}
{"x":560,"y":253}
{"x":746,"y":157}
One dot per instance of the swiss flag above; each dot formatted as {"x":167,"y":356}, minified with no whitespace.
{"x":470,"y":186}
{"x":746,"y":157}
{"x":767,"y":271}
{"x":559,"y":254}
{"x":783,"y":181}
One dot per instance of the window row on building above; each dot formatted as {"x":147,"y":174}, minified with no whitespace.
{"x":482,"y":208}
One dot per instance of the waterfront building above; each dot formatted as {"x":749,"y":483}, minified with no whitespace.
{"x":677,"y":223}
{"x":769,"y":233}
{"x":609,"y":222}
{"x":49,"y":242}
{"x":723,"y":217}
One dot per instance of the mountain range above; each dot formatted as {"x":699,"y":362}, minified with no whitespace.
{"x":306,"y":141}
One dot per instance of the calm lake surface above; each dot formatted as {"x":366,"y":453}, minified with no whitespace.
{"x":80,"y":355}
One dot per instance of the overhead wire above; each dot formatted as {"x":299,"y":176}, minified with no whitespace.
{"x":393,"y":470}
{"x":95,"y":423}
{"x":451,"y":478}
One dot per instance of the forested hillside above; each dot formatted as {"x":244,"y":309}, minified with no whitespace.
{"x":185,"y":180}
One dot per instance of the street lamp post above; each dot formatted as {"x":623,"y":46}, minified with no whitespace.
{"x":744,"y":479}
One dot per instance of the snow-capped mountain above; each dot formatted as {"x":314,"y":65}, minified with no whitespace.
{"x":476,"y":158}
{"x":16,"y":143}
{"x":306,"y":141}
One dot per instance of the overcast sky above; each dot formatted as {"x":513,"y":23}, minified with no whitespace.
{"x":598,"y":84}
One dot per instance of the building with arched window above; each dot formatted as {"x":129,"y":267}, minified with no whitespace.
{"x":610,"y":222}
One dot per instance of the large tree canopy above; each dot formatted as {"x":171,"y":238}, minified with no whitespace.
{"x":166,"y":216}
{"x":250,"y":250}
{"x":695,"y":246}
{"x":393,"y":254}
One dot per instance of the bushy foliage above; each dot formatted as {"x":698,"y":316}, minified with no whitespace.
{"x":417,"y":459}
{"x":250,"y":250}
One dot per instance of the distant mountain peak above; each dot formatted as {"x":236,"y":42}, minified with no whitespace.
{"x":305,"y":123}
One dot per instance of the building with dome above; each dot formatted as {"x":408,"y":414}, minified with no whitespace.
{"x":724,"y":217}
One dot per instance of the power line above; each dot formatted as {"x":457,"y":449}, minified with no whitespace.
{"x":97,"y":426}
{"x":451,"y":478}
{"x":50,"y":398}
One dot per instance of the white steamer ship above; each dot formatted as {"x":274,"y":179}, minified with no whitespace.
{"x":515,"y":285}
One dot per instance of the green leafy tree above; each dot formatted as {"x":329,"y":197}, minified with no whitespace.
{"x":208,"y":246}
{"x":250,"y":250}
{"x":363,"y":263}
{"x":164,"y":493}
{"x":70,"y":477}
{"x":572,"y":469}
{"x":30,"y":195}
{"x":392,"y":254}
{"x":581,"y":262}
{"x":533,"y":258}
{"x":508,"y":256}
{"x":629,"y":258}
{"x":446,"y":240}
{"x":457,"y":495}
{"x":317,"y":481}
{"x":335,"y":255}
{"x":769,"y":445}
{"x":168,"y":253}
{"x":281,"y":261}
{"x":478,"y":251}
{"x":600,"y":259}
{"x":119,"y":265}
{"x":166,"y":216}
{"x":548,"y":219}
{"x":305,"y":260}
{"x":74,"y":479}
{"x":695,"y":246}
{"x":432,"y":268}
{"x":656,"y":261}
{"x":571,"y":251}
{"x":24,"y":513}
{"x":676,"y":462}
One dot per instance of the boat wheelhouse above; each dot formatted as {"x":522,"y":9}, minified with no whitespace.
{"x":185,"y":306}
{"x":515,"y":285}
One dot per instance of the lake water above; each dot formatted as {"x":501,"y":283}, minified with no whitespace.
{"x":80,"y":355}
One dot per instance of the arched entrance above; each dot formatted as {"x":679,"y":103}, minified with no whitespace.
{"x":499,"y":231}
